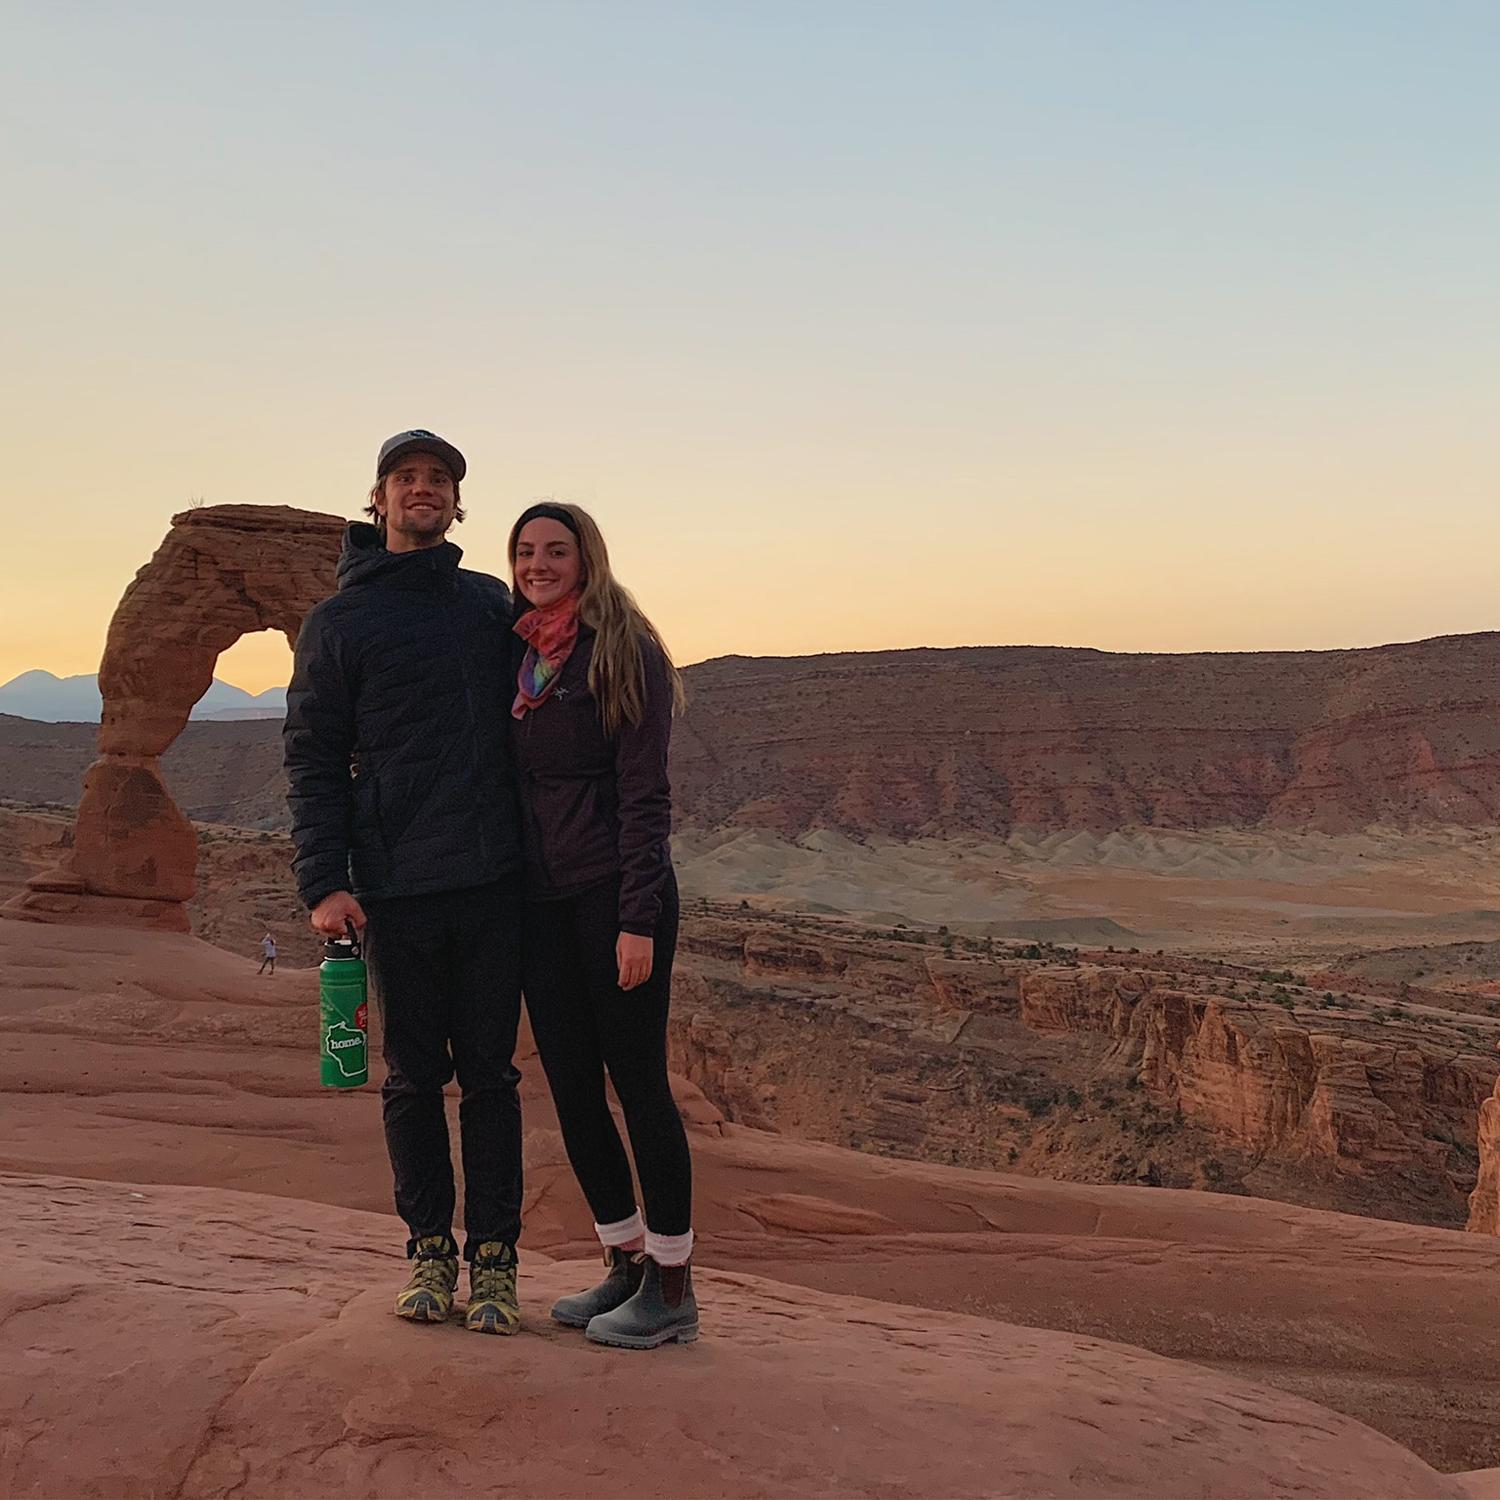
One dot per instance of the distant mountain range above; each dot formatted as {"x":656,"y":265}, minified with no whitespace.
{"x":75,"y":700}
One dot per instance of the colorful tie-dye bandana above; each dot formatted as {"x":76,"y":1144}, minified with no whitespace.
{"x":549,"y":634}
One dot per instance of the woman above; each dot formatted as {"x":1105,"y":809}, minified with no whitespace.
{"x":590,"y":726}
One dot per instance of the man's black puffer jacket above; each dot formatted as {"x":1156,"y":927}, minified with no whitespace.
{"x":397,"y":754}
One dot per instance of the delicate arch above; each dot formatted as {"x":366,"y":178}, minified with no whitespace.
{"x":222,"y":571}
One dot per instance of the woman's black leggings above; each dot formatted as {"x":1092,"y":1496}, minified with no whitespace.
{"x":584,"y":1023}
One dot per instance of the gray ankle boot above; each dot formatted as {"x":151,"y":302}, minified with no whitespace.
{"x":663,"y":1309}
{"x":626,"y":1267}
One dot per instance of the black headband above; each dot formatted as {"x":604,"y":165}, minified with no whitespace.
{"x":545,"y":510}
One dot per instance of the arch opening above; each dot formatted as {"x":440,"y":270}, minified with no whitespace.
{"x":250,"y":679}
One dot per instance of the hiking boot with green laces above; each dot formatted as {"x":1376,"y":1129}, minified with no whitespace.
{"x":493,"y":1305}
{"x":428,"y":1296}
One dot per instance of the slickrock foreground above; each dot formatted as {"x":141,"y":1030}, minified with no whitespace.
{"x":148,"y":1059}
{"x":200,"y":1343}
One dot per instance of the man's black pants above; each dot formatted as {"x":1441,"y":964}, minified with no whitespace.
{"x":447,"y":971}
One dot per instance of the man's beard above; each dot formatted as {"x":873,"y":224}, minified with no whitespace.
{"x":423,"y":528}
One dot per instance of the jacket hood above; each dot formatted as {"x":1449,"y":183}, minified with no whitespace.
{"x":364,"y":559}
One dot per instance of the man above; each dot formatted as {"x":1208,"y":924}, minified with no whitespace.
{"x":403,"y":817}
{"x":267,"y":954}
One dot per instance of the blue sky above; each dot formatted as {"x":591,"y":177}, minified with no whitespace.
{"x":1146,"y":326}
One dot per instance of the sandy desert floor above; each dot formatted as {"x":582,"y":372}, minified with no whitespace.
{"x":1282,"y":898}
{"x":1291,"y":897}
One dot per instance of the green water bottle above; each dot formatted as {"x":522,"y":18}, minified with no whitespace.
{"x":344,"y":1013}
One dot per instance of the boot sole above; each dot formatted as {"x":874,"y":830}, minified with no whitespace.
{"x":572,"y":1322}
{"x":647,"y":1340}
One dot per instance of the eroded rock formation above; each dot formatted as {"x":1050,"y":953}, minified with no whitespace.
{"x":1292,"y":1080}
{"x":1186,"y":1073}
{"x":222,"y":571}
{"x":1484,"y":1202}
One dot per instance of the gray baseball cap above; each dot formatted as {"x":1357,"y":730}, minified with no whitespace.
{"x":418,"y":440}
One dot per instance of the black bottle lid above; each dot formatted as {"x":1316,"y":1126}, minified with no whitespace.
{"x":344,"y":947}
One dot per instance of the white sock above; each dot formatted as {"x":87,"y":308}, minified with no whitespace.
{"x":622,"y":1231}
{"x":670,"y":1249}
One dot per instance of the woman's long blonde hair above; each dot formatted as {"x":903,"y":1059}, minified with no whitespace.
{"x":617,"y":676}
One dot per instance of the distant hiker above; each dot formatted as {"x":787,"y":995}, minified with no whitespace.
{"x":590,"y":726}
{"x":403,"y":810}
{"x":268,"y":954}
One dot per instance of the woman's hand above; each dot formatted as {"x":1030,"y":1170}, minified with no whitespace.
{"x":633,"y":954}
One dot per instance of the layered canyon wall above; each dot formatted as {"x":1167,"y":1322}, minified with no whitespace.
{"x":1100,"y":1069}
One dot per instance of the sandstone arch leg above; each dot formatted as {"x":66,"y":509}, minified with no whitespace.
{"x":222,"y":572}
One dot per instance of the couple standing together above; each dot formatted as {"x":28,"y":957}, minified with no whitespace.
{"x":479,"y":784}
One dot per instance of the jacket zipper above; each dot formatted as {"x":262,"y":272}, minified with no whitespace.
{"x":484,"y":857}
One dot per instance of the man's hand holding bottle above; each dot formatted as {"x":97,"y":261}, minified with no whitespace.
{"x":333,"y":913}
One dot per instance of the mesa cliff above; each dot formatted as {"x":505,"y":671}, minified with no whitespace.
{"x":984,"y":740}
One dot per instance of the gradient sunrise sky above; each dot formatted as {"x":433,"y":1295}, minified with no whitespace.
{"x":1147,"y":326}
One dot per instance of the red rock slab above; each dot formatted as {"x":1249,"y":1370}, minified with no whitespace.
{"x":130,"y":1056}
{"x":201,"y":1343}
